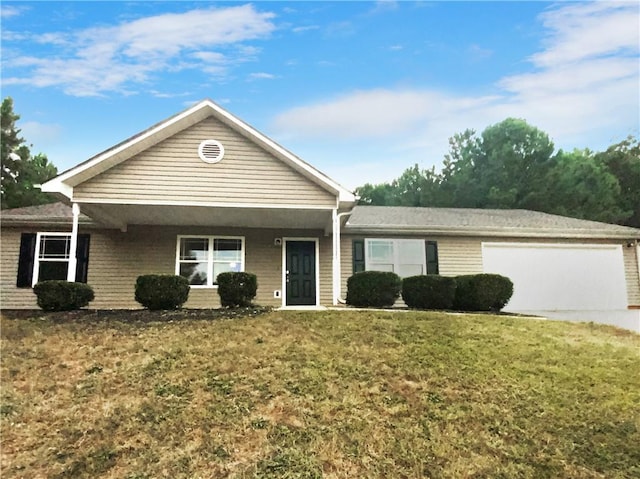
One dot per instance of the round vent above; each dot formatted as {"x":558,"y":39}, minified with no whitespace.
{"x":211,"y":151}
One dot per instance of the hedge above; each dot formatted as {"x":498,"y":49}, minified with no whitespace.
{"x":429,"y":292}
{"x":482,"y":292}
{"x":376,"y":289}
{"x":56,"y":295}
{"x":162,"y":291}
{"x":237,"y":289}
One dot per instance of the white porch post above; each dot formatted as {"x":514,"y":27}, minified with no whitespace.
{"x":336,"y":256}
{"x":73,"y":260}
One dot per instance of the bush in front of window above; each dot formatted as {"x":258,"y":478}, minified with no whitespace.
{"x":429,"y":292}
{"x":377,"y":289}
{"x":482,"y":292}
{"x":162,"y":291}
{"x":57,"y":295}
{"x":237,"y":289}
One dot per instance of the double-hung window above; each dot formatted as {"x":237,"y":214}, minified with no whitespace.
{"x":405,"y":257}
{"x":201,"y":259}
{"x":52,"y":256}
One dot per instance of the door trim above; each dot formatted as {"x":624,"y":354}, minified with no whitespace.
{"x":284,"y":266}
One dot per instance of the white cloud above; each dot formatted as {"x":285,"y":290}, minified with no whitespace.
{"x":8,"y":11}
{"x":582,"y":89}
{"x":261,"y":76}
{"x":121,"y":57}
{"x":305,"y":28}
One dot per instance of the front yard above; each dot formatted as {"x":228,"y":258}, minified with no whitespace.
{"x":340,"y":394}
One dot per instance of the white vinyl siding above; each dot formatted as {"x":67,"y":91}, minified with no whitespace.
{"x":172,"y":171}
{"x":201,"y":259}
{"x":405,"y":257}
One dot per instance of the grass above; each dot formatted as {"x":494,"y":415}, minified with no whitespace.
{"x":320,"y":394}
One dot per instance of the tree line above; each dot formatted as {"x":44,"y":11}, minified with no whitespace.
{"x":514,"y":165}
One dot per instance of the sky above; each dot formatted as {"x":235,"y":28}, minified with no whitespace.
{"x":361,"y":90}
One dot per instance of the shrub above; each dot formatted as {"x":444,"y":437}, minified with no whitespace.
{"x":237,"y":289}
{"x":62,"y":295}
{"x":378,"y":289}
{"x":162,"y":291}
{"x":482,"y":292}
{"x":429,"y":292}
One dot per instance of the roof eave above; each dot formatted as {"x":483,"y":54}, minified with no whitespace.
{"x":494,"y":232}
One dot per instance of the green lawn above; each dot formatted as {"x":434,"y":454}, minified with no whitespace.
{"x":339,"y":394}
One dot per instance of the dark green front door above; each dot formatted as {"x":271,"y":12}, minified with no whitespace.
{"x":301,"y":273}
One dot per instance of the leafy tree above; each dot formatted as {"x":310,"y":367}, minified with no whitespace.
{"x":579,"y":185}
{"x":21,"y":171}
{"x":622,"y":160}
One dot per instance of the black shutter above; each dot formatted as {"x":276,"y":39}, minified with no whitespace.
{"x":432,"y":257}
{"x":25,"y":261}
{"x":82,"y":257}
{"x":358,"y":255}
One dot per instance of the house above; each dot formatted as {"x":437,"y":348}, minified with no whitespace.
{"x":203,"y":192}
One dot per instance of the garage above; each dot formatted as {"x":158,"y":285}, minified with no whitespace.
{"x":560,"y":277}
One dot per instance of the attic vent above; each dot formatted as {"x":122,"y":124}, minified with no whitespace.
{"x":211,"y":151}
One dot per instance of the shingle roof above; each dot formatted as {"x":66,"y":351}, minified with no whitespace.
{"x":473,"y":222}
{"x":52,"y":213}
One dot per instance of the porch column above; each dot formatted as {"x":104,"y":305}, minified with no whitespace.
{"x":73,"y":260}
{"x":336,"y":256}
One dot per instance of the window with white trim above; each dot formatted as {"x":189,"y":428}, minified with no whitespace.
{"x":405,"y":257}
{"x":201,"y":259}
{"x":52,"y":256}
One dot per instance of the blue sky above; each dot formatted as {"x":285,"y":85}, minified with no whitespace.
{"x":361,"y":90}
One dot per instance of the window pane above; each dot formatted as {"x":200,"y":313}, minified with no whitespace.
{"x":52,"y":247}
{"x":406,"y":270}
{"x":196,"y":273}
{"x":53,"y":270}
{"x":228,"y":250}
{"x":380,"y":251}
{"x":411,"y":251}
{"x":194,"y":249}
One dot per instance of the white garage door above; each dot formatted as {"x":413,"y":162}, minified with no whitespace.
{"x":549,"y":277}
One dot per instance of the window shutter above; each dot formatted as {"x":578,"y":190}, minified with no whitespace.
{"x":82,"y":257}
{"x":432,"y":257}
{"x":358,"y":255}
{"x":25,"y":260}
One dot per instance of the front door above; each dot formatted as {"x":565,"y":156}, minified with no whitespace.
{"x":300,"y":274}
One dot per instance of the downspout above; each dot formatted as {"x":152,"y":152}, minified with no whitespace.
{"x":73,"y":246}
{"x":337,"y":270}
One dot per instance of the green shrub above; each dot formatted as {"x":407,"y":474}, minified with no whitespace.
{"x":162,"y":291}
{"x":237,"y":289}
{"x":62,"y":295}
{"x":429,"y":292}
{"x":482,"y":292}
{"x":377,"y":289}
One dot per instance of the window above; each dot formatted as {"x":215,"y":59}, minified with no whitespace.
{"x":52,"y":256}
{"x":405,"y":257}
{"x":201,"y":259}
{"x":45,"y":256}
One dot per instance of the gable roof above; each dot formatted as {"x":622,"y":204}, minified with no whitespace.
{"x":474,"y":222}
{"x":51,"y":213}
{"x":115,"y":155}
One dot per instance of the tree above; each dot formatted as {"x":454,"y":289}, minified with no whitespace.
{"x":579,"y":185}
{"x":21,"y":172}
{"x":622,"y":160}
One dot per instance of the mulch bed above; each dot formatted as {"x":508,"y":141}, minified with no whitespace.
{"x":134,"y":315}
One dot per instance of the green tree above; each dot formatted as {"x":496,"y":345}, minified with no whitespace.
{"x":622,"y":160}
{"x":580,"y":186}
{"x":21,"y":172}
